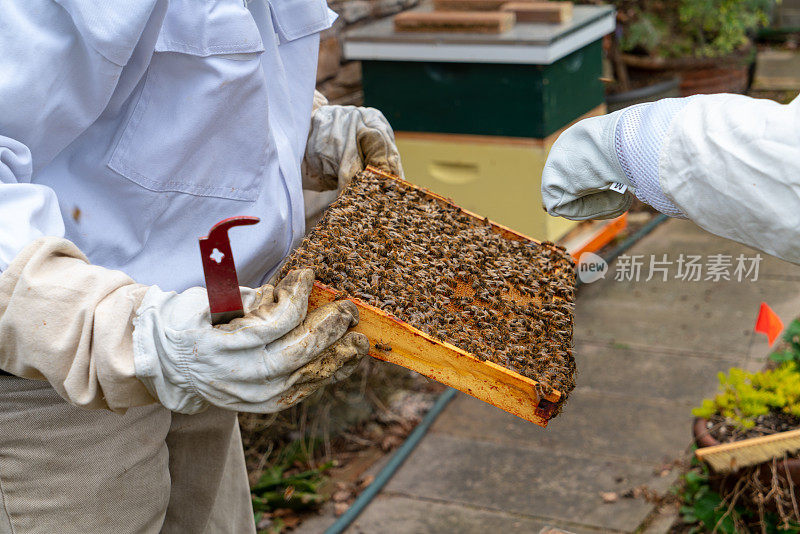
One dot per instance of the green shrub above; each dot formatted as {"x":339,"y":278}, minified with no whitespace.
{"x":744,"y":396}
{"x":704,"y":510}
{"x":792,"y":340}
{"x":703,"y":507}
{"x":289,"y":482}
{"x":681,"y":28}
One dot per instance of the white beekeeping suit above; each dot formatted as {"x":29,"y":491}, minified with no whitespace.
{"x":127,"y":129}
{"x":729,"y":163}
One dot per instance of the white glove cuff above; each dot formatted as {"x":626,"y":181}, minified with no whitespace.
{"x":168,"y":379}
{"x":638,"y":138}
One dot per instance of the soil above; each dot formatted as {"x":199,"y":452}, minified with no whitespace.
{"x":725,"y":431}
{"x":450,"y":275}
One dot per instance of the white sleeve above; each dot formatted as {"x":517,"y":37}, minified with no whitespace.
{"x":731,"y":164}
{"x":638,"y":138}
{"x":59,"y":65}
{"x":27,"y":211}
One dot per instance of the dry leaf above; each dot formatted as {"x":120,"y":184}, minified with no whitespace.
{"x":609,"y":496}
{"x":366,"y":481}
{"x":291,"y":521}
{"x":390,"y":442}
{"x":339,"y":508}
{"x":341,"y":496}
{"x":287,"y":494}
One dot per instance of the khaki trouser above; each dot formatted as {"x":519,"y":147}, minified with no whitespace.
{"x":69,"y":470}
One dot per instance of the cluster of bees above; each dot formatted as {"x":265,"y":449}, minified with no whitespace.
{"x":450,"y":275}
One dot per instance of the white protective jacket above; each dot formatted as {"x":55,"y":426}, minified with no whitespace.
{"x":130,"y":127}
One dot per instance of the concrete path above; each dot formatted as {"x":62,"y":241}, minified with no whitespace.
{"x":647,"y":352}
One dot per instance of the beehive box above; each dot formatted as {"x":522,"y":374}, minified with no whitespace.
{"x":448,"y":294}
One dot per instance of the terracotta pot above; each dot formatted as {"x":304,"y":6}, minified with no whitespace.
{"x":729,"y":74}
{"x":714,"y":80}
{"x":720,"y":482}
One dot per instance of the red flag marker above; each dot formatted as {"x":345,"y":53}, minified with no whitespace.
{"x":768,"y":323}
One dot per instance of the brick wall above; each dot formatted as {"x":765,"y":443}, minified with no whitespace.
{"x":337,"y":79}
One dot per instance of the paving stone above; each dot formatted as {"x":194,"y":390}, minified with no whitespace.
{"x":518,"y":480}
{"x":662,"y":522}
{"x":684,"y":378}
{"x":410,"y":516}
{"x":553,"y":530}
{"x":591,"y":425}
{"x":702,"y":317}
{"x":777,"y":70}
{"x":402,"y":515}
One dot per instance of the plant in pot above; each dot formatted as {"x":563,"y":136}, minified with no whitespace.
{"x":750,"y":405}
{"x":705,"y":43}
{"x":703,"y":509}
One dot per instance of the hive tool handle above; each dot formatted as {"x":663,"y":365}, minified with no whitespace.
{"x":222,"y":284}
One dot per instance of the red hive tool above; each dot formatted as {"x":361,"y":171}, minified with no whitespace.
{"x":222,"y":284}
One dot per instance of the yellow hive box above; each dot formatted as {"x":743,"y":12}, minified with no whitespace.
{"x":498,"y":177}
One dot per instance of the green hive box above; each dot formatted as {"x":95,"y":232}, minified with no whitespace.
{"x":485,"y":99}
{"x":528,"y":82}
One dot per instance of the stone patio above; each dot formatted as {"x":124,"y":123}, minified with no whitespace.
{"x":647,"y":352}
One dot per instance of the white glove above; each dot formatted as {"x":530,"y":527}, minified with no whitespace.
{"x":342,"y":141}
{"x":581,"y":169}
{"x":596,"y":165}
{"x":267,"y":360}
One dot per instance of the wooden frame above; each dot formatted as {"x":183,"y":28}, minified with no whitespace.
{"x":727,"y":457}
{"x":443,"y":362}
{"x":454,"y":21}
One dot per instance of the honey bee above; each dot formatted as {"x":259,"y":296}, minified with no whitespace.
{"x":431,"y":265}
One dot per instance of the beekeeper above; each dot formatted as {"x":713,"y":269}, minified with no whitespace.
{"x":729,"y":163}
{"x":127,"y":129}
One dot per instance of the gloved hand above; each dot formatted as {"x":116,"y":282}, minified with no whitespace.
{"x":595,"y":166}
{"x":264,"y":362}
{"x":342,"y":141}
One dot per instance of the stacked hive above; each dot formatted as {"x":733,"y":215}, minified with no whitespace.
{"x":481,"y":16}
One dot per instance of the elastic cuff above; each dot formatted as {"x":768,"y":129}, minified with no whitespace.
{"x":638,"y":139}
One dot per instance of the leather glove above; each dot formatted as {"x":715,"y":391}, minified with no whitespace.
{"x":342,"y":141}
{"x":578,"y":181}
{"x":596,"y":166}
{"x":271,"y":358}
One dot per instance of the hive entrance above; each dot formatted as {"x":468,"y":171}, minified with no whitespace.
{"x":456,"y":277}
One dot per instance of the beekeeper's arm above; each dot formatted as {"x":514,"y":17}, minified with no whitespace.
{"x":99,"y":338}
{"x":729,"y":163}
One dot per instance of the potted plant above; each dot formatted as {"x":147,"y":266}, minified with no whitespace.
{"x":707,"y":43}
{"x":750,"y":405}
